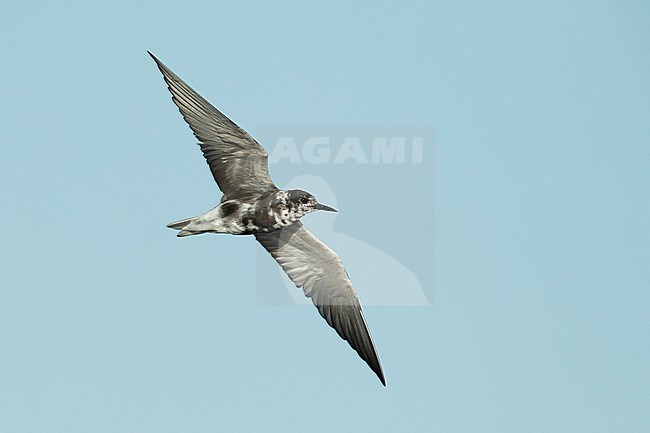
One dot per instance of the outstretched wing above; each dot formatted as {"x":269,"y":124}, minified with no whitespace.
{"x":238,"y":163}
{"x":313,"y":266}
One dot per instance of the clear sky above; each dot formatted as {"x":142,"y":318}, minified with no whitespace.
{"x":534,"y":255}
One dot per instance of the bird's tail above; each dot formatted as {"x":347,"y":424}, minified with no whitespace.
{"x":180,"y":225}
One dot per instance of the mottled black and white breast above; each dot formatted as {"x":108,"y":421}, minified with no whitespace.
{"x":271,"y":212}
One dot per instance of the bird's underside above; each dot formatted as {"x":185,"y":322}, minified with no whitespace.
{"x":265,"y":213}
{"x":252,"y":204}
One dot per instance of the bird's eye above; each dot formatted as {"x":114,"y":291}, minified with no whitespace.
{"x":303,"y":200}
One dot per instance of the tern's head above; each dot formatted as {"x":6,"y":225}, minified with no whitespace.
{"x":302,"y":202}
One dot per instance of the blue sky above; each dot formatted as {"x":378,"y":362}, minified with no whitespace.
{"x":540,"y":233}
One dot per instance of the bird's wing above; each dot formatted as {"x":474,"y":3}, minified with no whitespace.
{"x":313,"y":266}
{"x":238,"y":163}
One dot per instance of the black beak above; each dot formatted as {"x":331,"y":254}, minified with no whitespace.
{"x":323,"y":207}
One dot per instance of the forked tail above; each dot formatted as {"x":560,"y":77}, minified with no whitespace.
{"x":180,"y":225}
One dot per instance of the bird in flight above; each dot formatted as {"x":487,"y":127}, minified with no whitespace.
{"x":253,"y":205}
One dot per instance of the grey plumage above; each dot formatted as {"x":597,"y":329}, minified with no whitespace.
{"x":252,"y":204}
{"x":312,"y":265}
{"x":238,"y":163}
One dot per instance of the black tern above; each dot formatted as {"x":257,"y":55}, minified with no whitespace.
{"x":253,"y":205}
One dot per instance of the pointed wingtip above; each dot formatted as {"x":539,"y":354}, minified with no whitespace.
{"x":155,"y":59}
{"x":380,"y":375}
{"x":167,"y":73}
